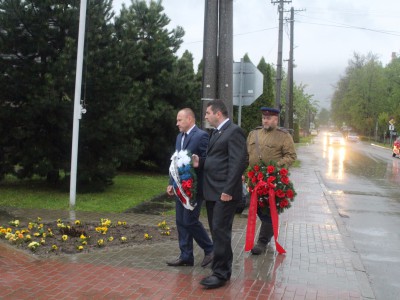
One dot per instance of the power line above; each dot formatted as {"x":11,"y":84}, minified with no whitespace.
{"x":344,"y":25}
{"x":363,"y":13}
{"x":338,"y":25}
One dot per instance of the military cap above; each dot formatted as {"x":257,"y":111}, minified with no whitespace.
{"x":269,"y":111}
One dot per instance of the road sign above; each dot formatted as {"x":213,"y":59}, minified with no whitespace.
{"x":391,"y":127}
{"x":247,"y":83}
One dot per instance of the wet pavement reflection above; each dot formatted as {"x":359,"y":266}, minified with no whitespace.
{"x":319,"y":263}
{"x":364,"y":181}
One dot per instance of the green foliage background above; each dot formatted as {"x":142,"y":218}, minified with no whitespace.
{"x":133,"y":85}
{"x":367,"y":95}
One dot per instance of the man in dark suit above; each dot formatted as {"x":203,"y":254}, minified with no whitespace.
{"x":189,"y":227}
{"x":224,"y":165}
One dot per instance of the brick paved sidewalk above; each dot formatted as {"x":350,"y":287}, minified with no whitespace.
{"x":320,"y":263}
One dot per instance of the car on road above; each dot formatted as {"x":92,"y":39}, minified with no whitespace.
{"x":314,"y":132}
{"x":396,"y":148}
{"x":336,"y":139}
{"x":353,"y":137}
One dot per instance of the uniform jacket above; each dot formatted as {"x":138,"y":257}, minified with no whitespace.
{"x":276,"y":145}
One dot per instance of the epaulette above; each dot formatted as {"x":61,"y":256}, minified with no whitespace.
{"x":255,"y":129}
{"x":283,"y":129}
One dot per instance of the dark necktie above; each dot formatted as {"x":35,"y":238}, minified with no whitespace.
{"x":184,"y":135}
{"x":214,"y":133}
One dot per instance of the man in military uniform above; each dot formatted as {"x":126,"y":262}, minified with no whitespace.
{"x":269,"y":143}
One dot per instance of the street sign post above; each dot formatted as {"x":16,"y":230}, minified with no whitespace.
{"x":247,"y":84}
{"x":391,"y":130}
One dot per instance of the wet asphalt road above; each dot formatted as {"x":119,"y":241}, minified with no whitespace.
{"x":364,"y":180}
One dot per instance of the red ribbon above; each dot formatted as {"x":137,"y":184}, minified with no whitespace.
{"x":275,"y":220}
{"x":252,"y":218}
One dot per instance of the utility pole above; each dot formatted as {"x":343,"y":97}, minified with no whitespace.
{"x":287,"y":113}
{"x":225,"y":54}
{"x":289,"y":104}
{"x":290,"y":82}
{"x":218,"y":54}
{"x":210,"y":58}
{"x":279,"y":60}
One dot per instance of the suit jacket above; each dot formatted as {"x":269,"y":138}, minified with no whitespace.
{"x":196,"y":142}
{"x":225,"y":163}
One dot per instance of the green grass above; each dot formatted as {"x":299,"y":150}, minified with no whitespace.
{"x":296,"y":164}
{"x":128,"y":191}
{"x":306,"y":139}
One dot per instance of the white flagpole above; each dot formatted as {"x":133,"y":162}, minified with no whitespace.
{"x":77,"y":103}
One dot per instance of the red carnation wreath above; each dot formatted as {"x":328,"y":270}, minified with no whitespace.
{"x":271,"y":190}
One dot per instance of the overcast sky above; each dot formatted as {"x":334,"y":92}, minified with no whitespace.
{"x":326,"y":34}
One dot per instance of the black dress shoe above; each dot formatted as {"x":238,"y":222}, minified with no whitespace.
{"x":179,"y":262}
{"x":212,"y":282}
{"x":207,"y":259}
{"x":258,"y":249}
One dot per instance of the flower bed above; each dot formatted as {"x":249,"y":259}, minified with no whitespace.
{"x":58,"y":237}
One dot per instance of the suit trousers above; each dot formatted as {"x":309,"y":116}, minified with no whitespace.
{"x":189,"y":228}
{"x":220,"y":219}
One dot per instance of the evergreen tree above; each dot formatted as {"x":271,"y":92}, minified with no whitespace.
{"x":251,"y":115}
{"x":34,"y":98}
{"x":157,"y":82}
{"x":133,"y":86}
{"x":103,"y":134}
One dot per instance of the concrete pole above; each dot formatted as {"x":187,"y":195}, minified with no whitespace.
{"x":77,"y":104}
{"x":210,"y":59}
{"x":279,"y":60}
{"x":290,"y":70}
{"x":286,"y":121}
{"x":225,"y":54}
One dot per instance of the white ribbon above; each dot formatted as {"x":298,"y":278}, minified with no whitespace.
{"x":173,"y":171}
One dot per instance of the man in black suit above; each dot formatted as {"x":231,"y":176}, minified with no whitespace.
{"x":189,"y":227}
{"x":224,"y":165}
